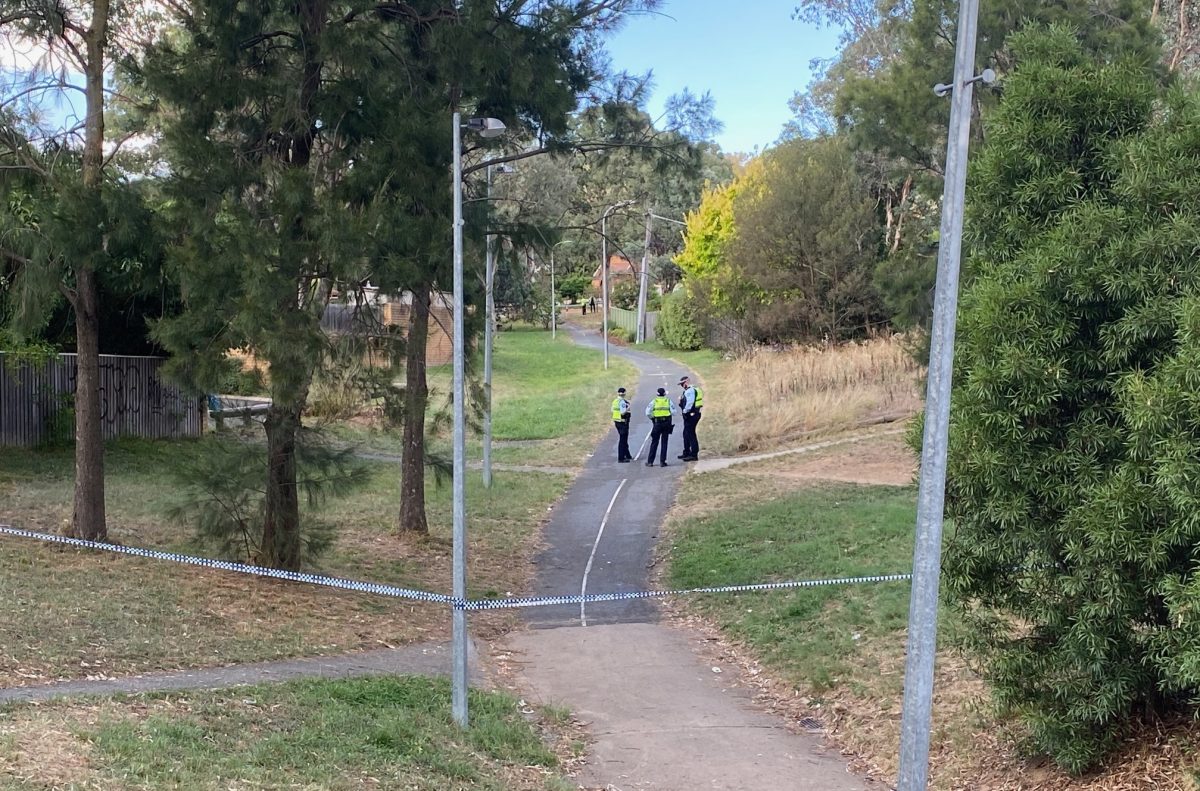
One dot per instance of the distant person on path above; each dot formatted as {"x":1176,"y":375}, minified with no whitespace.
{"x":621,"y":414}
{"x":583,"y":307}
{"x":690,"y":403}
{"x":660,"y":411}
{"x":592,"y":304}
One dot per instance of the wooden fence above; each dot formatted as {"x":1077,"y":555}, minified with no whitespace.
{"x":36,"y":401}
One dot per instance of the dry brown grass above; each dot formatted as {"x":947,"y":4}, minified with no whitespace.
{"x":781,"y":394}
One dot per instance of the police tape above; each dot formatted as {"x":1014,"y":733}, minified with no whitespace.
{"x":516,"y":602}
{"x":239,"y":568}
{"x":550,"y":601}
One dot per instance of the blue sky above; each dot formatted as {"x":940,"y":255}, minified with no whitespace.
{"x":751,"y":55}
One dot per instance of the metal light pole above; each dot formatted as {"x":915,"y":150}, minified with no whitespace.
{"x":553,"y":293}
{"x":604,"y":269}
{"x":645,"y":279}
{"x":489,"y":330}
{"x":923,"y":603}
{"x":486,"y":127}
{"x":553,"y":300}
{"x":643,"y":284}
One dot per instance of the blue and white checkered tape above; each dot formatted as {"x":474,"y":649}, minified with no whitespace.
{"x":515,"y":602}
{"x":239,"y":568}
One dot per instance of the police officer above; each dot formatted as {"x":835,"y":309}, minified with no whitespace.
{"x":661,"y":410}
{"x":621,"y":414}
{"x":690,"y":403}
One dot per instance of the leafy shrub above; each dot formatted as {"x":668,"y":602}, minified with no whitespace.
{"x":572,"y":287}
{"x":676,"y":329}
{"x":625,"y":294}
{"x":60,"y":425}
{"x":243,"y":382}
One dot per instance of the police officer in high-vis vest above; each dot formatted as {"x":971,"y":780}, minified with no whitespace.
{"x":661,"y":412}
{"x":621,"y":414}
{"x":690,"y":403}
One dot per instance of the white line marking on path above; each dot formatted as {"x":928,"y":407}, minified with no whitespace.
{"x":588,"y":569}
{"x":642,"y":447}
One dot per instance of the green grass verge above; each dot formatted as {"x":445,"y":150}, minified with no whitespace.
{"x":816,"y":637}
{"x":543,"y":388}
{"x":347,"y":734}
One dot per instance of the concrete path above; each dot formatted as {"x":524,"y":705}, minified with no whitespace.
{"x":662,"y":719}
{"x":427,"y":659}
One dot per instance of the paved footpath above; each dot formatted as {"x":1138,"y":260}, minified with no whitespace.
{"x":661,"y":717}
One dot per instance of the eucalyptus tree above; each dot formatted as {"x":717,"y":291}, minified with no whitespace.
{"x":878,"y":92}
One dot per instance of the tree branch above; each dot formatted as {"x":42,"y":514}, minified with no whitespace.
{"x":261,"y":37}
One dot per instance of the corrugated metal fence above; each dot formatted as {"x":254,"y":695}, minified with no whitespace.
{"x":134,"y":401}
{"x":627,"y":320}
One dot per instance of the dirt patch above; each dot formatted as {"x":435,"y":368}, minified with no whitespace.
{"x":41,"y":750}
{"x":880,"y":460}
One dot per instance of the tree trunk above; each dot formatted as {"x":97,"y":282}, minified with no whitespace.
{"x":281,"y":524}
{"x":416,"y":397}
{"x":281,"y":545}
{"x":904,"y":191}
{"x":88,"y":519}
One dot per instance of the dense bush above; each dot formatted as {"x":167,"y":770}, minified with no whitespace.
{"x":571,"y":287}
{"x":1075,"y":444}
{"x":625,"y":294}
{"x":677,"y":327}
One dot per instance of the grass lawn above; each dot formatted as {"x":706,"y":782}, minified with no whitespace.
{"x":350,"y":734}
{"x":816,"y":638}
{"x":81,"y":614}
{"x":544,"y":389}
{"x":549,"y":395}
{"x":837,"y":653}
{"x":75,"y":613}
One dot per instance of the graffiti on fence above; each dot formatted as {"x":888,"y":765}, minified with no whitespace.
{"x":134,"y":401}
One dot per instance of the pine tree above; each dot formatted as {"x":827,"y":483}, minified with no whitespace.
{"x":1073,"y":454}
{"x":70,"y":218}
{"x":310,"y":145}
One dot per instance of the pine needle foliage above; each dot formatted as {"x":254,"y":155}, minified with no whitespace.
{"x":224,"y":501}
{"x":1075,"y":445}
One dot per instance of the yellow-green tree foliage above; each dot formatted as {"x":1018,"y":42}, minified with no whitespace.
{"x":710,"y":228}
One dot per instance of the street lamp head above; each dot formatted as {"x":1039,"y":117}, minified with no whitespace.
{"x":486,"y":127}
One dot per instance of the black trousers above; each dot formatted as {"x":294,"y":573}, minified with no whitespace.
{"x":691,"y":445}
{"x":660,"y":432}
{"x":622,"y":439}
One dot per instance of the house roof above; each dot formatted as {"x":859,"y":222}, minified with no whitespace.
{"x":617,"y":265}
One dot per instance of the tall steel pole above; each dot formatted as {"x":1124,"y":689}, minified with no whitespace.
{"x":604,"y":280}
{"x":604,"y":268}
{"x":644,"y":283}
{"x":553,"y":292}
{"x":459,"y":655}
{"x":489,"y":276}
{"x":923,"y":604}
